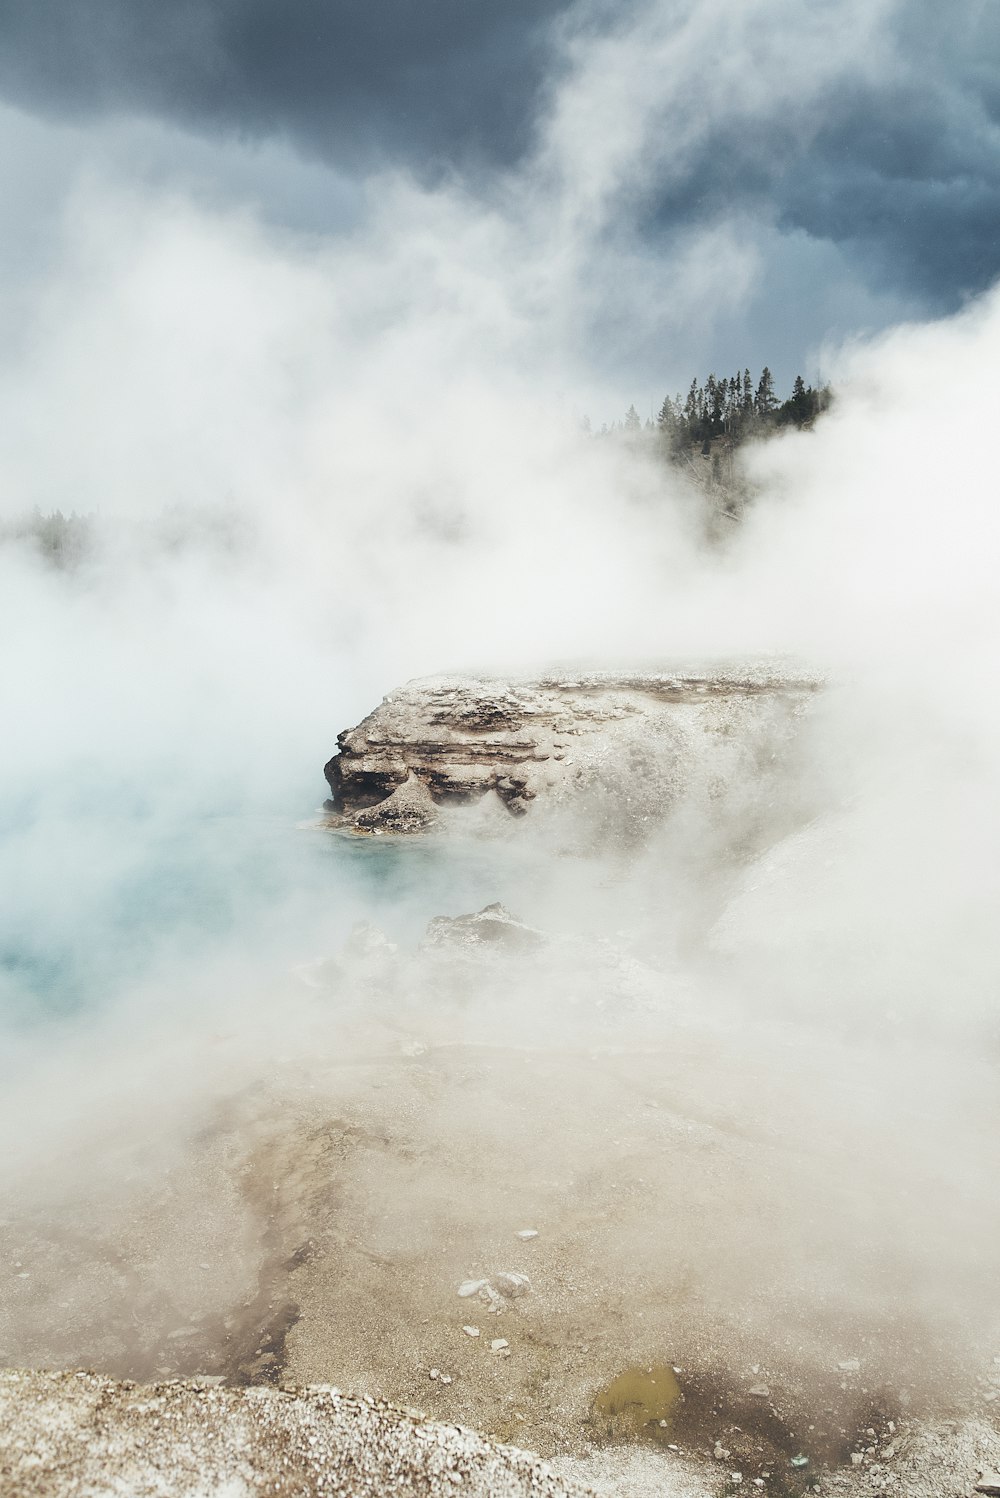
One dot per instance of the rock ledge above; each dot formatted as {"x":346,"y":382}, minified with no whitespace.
{"x":443,"y":742}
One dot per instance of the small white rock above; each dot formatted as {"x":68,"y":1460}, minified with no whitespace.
{"x":435,"y":1373}
{"x":526,"y":1233}
{"x":471,"y":1331}
{"x":499,"y":1343}
{"x":512,"y":1284}
{"x":736,"y":1477}
{"x":471,"y":1287}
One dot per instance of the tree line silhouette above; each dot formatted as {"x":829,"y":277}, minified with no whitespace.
{"x":715,"y":417}
{"x":734,"y":408}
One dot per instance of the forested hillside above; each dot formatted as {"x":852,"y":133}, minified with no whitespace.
{"x":703,"y":431}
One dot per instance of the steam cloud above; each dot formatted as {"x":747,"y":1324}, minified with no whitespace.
{"x":323,"y":464}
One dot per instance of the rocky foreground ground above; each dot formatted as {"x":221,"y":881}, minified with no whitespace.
{"x":84,"y":1436}
{"x":79,"y":1434}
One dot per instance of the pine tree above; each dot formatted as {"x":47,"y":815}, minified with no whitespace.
{"x":715,"y":402}
{"x":765,"y":401}
{"x":691,"y":405}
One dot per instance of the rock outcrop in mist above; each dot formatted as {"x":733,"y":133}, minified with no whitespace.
{"x":639,"y":741}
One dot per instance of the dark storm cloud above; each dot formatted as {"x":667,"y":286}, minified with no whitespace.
{"x":900,"y":168}
{"x":911,"y":173}
{"x":349,"y":80}
{"x":896,"y":162}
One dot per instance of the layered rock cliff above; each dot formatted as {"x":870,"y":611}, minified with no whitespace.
{"x":641,"y":740}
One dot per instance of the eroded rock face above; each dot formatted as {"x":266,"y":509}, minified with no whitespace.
{"x":445,"y":742}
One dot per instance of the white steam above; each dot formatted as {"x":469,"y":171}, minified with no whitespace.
{"x":323,"y":464}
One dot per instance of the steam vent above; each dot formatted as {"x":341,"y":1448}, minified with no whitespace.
{"x":636,"y":742}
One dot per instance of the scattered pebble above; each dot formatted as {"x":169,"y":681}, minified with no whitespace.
{"x":435,"y":1373}
{"x":512,"y":1284}
{"x":720,"y":1453}
{"x":471,"y":1287}
{"x":498,"y":1344}
{"x":857,"y":1458}
{"x":760,"y":1391}
{"x":800,"y":1461}
{"x":736,"y":1477}
{"x":526,"y":1233}
{"x":471,"y":1331}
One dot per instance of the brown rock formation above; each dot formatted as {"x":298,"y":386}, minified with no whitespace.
{"x":443,"y":742}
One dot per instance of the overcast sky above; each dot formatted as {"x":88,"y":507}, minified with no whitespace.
{"x":742,"y":180}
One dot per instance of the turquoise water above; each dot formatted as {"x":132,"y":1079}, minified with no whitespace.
{"x":113,"y":896}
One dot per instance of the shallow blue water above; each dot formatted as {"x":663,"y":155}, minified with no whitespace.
{"x":129,"y":894}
